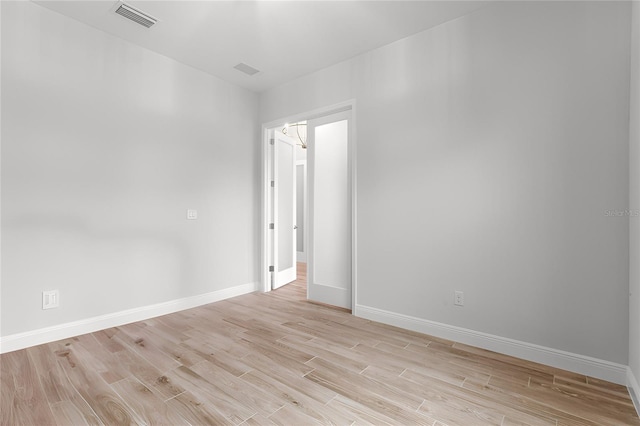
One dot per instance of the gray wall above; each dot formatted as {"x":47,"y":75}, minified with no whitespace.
{"x":634,"y":199}
{"x":105,"y":145}
{"x":489,"y":150}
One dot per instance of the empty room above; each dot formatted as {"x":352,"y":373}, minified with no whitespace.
{"x":320,"y":212}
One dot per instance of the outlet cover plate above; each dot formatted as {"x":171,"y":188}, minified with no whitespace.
{"x":458,"y":298}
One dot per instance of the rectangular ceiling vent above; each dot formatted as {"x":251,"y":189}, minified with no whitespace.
{"x":135,"y":15}
{"x":246,"y":69}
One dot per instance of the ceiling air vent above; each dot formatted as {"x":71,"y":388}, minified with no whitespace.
{"x":246,"y":69}
{"x":135,"y":15}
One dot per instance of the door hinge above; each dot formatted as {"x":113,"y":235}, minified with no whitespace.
{"x":272,"y":141}
{"x":271,"y":268}
{"x":272,"y":226}
{"x":273,"y":183}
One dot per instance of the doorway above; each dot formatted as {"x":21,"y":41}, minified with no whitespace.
{"x":323,"y":233}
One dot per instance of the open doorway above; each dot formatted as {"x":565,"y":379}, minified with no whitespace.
{"x":297,"y":289}
{"x":309,"y":200}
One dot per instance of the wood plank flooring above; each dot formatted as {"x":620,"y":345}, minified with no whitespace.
{"x":265,"y":359}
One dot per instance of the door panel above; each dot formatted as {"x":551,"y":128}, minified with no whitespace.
{"x":284,"y":210}
{"x":329,"y":180}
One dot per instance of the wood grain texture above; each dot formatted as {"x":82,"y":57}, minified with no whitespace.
{"x":276,"y":359}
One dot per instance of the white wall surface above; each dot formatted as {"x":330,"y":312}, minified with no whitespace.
{"x":105,"y":145}
{"x":634,"y":197}
{"x":489,"y":150}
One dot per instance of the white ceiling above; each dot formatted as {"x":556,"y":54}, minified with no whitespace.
{"x":282,"y":39}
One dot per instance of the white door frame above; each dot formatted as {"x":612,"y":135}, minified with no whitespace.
{"x":265,"y":278}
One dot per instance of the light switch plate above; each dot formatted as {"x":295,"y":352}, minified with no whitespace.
{"x":50,"y":299}
{"x":192,"y":214}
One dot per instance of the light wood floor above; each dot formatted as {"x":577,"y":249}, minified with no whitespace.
{"x":277,"y":359}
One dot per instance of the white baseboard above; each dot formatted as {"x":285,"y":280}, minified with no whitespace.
{"x":593,"y":367}
{"x":17,"y":341}
{"x":634,"y":389}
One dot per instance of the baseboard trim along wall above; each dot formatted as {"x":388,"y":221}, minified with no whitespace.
{"x":27,"y":339}
{"x":593,"y":367}
{"x":634,"y":389}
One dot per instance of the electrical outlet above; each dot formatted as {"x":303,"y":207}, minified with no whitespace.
{"x":50,"y":299}
{"x":458,"y":299}
{"x":192,"y":214}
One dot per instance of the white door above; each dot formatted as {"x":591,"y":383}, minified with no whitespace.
{"x":284,"y":210}
{"x":329,"y":272}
